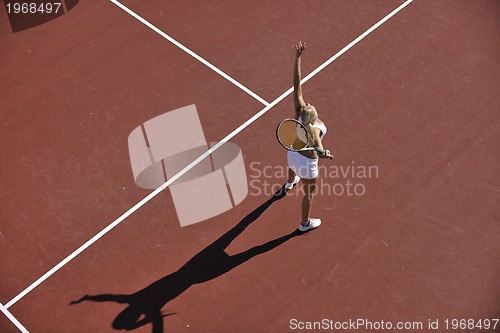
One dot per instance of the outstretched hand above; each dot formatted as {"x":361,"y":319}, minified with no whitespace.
{"x":300,"y":47}
{"x":84,"y":298}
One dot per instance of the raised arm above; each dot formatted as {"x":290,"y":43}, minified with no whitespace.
{"x":297,"y":88}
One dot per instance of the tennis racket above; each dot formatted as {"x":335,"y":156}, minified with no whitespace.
{"x":293,"y":136}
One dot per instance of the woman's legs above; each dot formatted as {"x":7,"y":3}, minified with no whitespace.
{"x":308,"y":168}
{"x":292,"y":180}
{"x":309,"y":189}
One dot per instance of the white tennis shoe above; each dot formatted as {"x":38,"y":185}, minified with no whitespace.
{"x":312,"y":224}
{"x":289,"y":186}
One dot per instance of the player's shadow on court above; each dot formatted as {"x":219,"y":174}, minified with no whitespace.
{"x":145,"y":306}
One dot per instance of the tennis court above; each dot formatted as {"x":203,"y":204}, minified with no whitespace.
{"x":410,"y":237}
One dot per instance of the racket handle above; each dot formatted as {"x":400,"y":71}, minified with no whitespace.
{"x":330,"y":156}
{"x":323,"y":154}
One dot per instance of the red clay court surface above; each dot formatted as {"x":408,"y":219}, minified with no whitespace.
{"x":418,"y":98}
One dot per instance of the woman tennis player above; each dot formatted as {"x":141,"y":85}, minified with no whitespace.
{"x":304,"y":164}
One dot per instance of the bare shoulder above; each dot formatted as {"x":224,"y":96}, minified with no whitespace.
{"x":319,"y":122}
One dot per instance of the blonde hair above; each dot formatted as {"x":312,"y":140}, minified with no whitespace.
{"x":308,"y":114}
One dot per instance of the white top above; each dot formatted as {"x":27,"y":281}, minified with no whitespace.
{"x":321,"y":127}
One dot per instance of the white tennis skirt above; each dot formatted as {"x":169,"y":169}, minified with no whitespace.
{"x":303,"y":167}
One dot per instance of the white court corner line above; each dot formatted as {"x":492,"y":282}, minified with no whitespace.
{"x":191,"y":165}
{"x":13,"y":319}
{"x":188,"y":51}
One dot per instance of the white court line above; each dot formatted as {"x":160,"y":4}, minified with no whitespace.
{"x":195,"y":162}
{"x":191,"y":53}
{"x":354,"y":42}
{"x":13,"y":319}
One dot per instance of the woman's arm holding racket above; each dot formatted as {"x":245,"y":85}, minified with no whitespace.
{"x":318,"y":144}
{"x":297,"y":88}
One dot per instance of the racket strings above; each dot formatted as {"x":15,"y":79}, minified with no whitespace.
{"x":292,"y":135}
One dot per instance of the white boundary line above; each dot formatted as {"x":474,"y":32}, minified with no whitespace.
{"x":13,"y":319}
{"x":354,"y":42}
{"x":190,"y":166}
{"x":188,"y":51}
